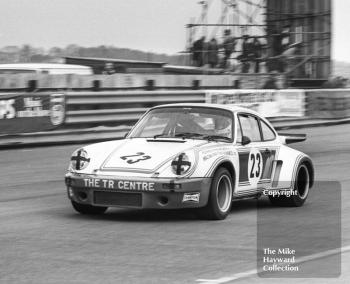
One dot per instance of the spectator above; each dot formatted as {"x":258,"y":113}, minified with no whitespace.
{"x":228,"y":46}
{"x":257,"y":50}
{"x":270,"y":83}
{"x":197,"y":52}
{"x":280,"y":43}
{"x":247,"y":53}
{"x":205,"y":53}
{"x":109,"y":69}
{"x":213,"y":53}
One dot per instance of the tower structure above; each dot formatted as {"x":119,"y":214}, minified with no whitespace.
{"x":295,"y":35}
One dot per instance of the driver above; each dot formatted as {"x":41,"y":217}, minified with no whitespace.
{"x":187,"y":124}
{"x":223,"y":126}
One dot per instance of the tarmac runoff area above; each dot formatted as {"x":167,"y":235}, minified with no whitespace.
{"x":42,"y":240}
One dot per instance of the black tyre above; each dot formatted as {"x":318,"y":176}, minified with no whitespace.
{"x":301,"y":189}
{"x":220,"y":196}
{"x":88,"y":209}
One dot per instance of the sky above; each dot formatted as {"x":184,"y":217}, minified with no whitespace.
{"x":149,"y":25}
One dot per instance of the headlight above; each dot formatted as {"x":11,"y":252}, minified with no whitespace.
{"x":79,"y":160}
{"x":181,"y":164}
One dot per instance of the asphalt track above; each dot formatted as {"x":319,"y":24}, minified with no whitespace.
{"x":42,"y":240}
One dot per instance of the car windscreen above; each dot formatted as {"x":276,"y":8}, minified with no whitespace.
{"x":191,"y":122}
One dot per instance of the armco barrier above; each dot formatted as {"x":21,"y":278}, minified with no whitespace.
{"x":94,"y":108}
{"x":332,"y":103}
{"x":113,"y":107}
{"x":107,"y":108}
{"x":150,"y":82}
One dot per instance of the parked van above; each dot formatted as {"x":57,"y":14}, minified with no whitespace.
{"x":45,"y":68}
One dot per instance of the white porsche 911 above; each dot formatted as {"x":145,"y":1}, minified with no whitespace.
{"x":200,"y":156}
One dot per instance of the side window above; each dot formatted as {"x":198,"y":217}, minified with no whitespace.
{"x":250,"y":127}
{"x":267,"y":132}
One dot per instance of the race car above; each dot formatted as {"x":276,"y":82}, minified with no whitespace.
{"x":200,"y":156}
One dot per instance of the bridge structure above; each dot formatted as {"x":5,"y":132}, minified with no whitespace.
{"x":295,"y":36}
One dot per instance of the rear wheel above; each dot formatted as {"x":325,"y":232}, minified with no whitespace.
{"x":88,"y":209}
{"x":300,"y":190}
{"x":220,"y":196}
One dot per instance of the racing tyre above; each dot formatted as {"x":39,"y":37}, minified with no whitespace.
{"x":88,"y":209}
{"x":301,"y":190}
{"x":220,"y":196}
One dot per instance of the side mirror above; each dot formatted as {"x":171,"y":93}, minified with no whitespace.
{"x":245,"y":140}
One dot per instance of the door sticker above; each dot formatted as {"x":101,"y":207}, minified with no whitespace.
{"x":255,"y":166}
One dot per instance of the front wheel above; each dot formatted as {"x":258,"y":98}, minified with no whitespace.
{"x":301,"y":190}
{"x":88,"y":209}
{"x":220,"y":196}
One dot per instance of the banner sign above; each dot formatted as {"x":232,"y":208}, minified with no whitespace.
{"x":23,"y":113}
{"x":268,"y":103}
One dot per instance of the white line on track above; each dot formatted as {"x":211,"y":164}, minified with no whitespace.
{"x":249,"y":273}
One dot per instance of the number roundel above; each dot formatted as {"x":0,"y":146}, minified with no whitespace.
{"x":255,"y":167}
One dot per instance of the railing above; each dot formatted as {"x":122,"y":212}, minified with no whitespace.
{"x":35,"y":112}
{"x":122,"y":82}
{"x":94,"y":108}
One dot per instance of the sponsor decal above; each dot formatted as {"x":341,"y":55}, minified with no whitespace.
{"x":269,"y":103}
{"x":211,"y":155}
{"x":135,"y":158}
{"x":191,"y":197}
{"x":215,"y":149}
{"x":35,"y":112}
{"x":118,"y":184}
{"x":33,"y":107}
{"x":7,"y":109}
{"x":57,"y":109}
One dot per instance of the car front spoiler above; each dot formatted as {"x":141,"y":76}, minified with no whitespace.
{"x":152,"y":193}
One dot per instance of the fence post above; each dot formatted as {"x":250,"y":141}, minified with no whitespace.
{"x":32,"y":85}
{"x":96,"y":85}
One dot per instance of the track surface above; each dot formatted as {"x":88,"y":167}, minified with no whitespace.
{"x":42,"y":240}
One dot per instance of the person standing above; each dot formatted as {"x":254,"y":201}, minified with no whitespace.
{"x":228,"y":46}
{"x":213,"y":53}
{"x":257,"y":50}
{"x":197,"y":52}
{"x":108,"y":69}
{"x":246,"y":54}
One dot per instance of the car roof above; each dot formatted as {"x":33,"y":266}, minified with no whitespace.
{"x":231,"y":108}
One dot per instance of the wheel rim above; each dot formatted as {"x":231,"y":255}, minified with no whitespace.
{"x":224,"y":193}
{"x":303,"y":182}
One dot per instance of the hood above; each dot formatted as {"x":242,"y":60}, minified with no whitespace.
{"x":146,"y":155}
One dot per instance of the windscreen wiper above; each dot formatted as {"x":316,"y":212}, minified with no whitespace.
{"x":161,"y":135}
{"x":188,"y":135}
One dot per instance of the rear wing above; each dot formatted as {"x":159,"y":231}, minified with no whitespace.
{"x":287,"y":138}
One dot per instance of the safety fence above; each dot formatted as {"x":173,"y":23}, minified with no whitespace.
{"x":33,"y":112}
{"x":147,"y":82}
{"x":116,"y":107}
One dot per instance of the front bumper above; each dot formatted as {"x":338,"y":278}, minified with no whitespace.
{"x":152,"y":193}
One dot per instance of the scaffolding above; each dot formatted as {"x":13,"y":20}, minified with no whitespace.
{"x":302,"y":27}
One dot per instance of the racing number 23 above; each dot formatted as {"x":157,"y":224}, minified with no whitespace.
{"x":255,"y":169}
{"x":255,"y":166}
{"x":138,"y":157}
